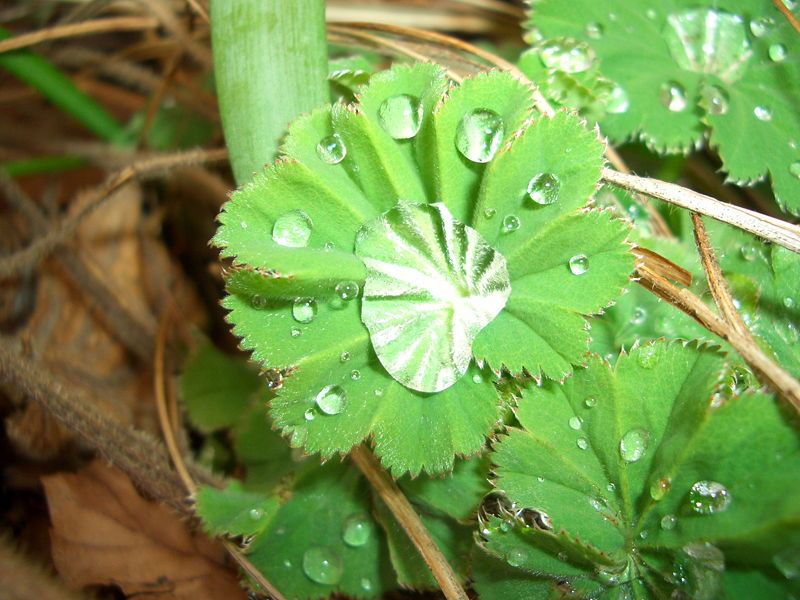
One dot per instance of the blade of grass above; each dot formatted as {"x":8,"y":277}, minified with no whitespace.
{"x":59,"y":89}
{"x":42,"y":164}
{"x":270,"y":60}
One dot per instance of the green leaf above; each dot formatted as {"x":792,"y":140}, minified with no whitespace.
{"x":314,"y":237}
{"x":495,"y":579}
{"x":328,"y":519}
{"x":264,"y":454}
{"x":234,"y":511}
{"x":638,"y":473}
{"x":216,"y":389}
{"x":728,"y":68}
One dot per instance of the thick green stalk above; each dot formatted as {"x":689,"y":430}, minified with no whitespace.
{"x":270,"y":63}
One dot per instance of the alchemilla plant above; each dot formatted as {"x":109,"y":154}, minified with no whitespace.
{"x":434,"y":269}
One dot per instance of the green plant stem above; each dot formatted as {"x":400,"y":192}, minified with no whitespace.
{"x":42,"y":164}
{"x":59,"y":89}
{"x":270,"y":61}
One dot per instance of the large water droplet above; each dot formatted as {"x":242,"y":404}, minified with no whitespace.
{"x":567,"y":54}
{"x":777,"y":52}
{"x":633,"y":445}
{"x":347,"y":290}
{"x":659,"y":488}
{"x":357,"y":530}
{"x":714,"y":99}
{"x":331,"y":149}
{"x":304,"y":310}
{"x":543,"y":188}
{"x":331,"y":399}
{"x":401,"y":116}
{"x":515,"y":558}
{"x":762,"y":113}
{"x":673,"y":96}
{"x":618,"y":101}
{"x":479,"y":135}
{"x":510,"y":223}
{"x":788,"y":562}
{"x":761,"y":26}
{"x":292,"y":229}
{"x":578,"y":264}
{"x":668,"y":522}
{"x":323,"y":565}
{"x":575,"y":423}
{"x":794,"y":169}
{"x":709,"y":497}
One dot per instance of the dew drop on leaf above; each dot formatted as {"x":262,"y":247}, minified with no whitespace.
{"x":643,"y":534}
{"x":633,"y":445}
{"x":296,"y":332}
{"x":331,"y":399}
{"x":287,"y":563}
{"x":714,"y":99}
{"x":366,"y":584}
{"x":567,"y":55}
{"x":510,"y":223}
{"x":258,"y":302}
{"x":347,"y":290}
{"x":659,"y":488}
{"x":648,"y":357}
{"x":309,"y":414}
{"x":401,"y":116}
{"x":344,"y":357}
{"x":618,"y":101}
{"x":489,"y":213}
{"x":479,"y":135}
{"x":515,"y":558}
{"x":777,"y":53}
{"x":639,"y":316}
{"x":292,"y":229}
{"x":357,"y":530}
{"x":378,"y":392}
{"x":256,"y":514}
{"x":582,"y":443}
{"x":575,"y":423}
{"x":673,"y":96}
{"x":578,"y":264}
{"x":749,"y":252}
{"x":794,"y":169}
{"x":760,"y":26}
{"x":331,"y":149}
{"x":544,"y":188}
{"x":611,"y":487}
{"x":788,"y":562}
{"x":304,"y":310}
{"x":709,"y":497}
{"x":355,"y":374}
{"x":477,"y":378}
{"x":668,"y":522}
{"x":590,"y":402}
{"x":762,"y":113}
{"x":594,"y":31}
{"x":323,"y":565}
{"x":788,"y":302}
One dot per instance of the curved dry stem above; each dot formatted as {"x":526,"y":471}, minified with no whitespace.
{"x":788,"y":14}
{"x":402,"y":510}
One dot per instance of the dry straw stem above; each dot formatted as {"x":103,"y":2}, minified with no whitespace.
{"x":779,"y":4}
{"x":86,"y":202}
{"x":402,"y":510}
{"x":769,"y":372}
{"x":69,"y":30}
{"x":766,"y":227}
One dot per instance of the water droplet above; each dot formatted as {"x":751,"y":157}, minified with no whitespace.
{"x":505,"y":526}
{"x":618,"y":101}
{"x":611,"y":487}
{"x":296,"y":332}
{"x":567,"y":55}
{"x":357,"y":530}
{"x":594,"y":31}
{"x":749,"y":252}
{"x":777,"y":52}
{"x":794,"y":169}
{"x":643,"y":534}
{"x":355,"y":374}
{"x":331,"y":149}
{"x":650,"y":13}
{"x":256,"y":514}
{"x":788,"y":562}
{"x":648,"y":356}
{"x":709,"y":497}
{"x":401,"y":116}
{"x":668,"y":522}
{"x":287,"y":563}
{"x":540,"y":479}
{"x":762,"y":113}
{"x":329,"y":246}
{"x":633,"y":445}
{"x":477,"y":378}
{"x":590,"y":402}
{"x":378,"y":392}
{"x":331,"y":399}
{"x":323,"y":565}
{"x":366,"y":584}
{"x":304,"y":310}
{"x":258,"y":302}
{"x":759,"y":27}
{"x":292,"y":229}
{"x":788,"y":302}
{"x":575,"y":423}
{"x":309,"y":414}
{"x":582,"y":443}
{"x":243,"y":224}
{"x":659,"y":488}
{"x":510,"y":223}
{"x":346,"y":290}
{"x":515,"y":558}
{"x":543,"y":188}
{"x":344,"y":357}
{"x":562,"y":556}
{"x":578,"y":264}
{"x":790,"y":4}
{"x":673,"y":96}
{"x":639,"y":316}
{"x":714,"y":99}
{"x":596,"y":504}
{"x":479,"y":135}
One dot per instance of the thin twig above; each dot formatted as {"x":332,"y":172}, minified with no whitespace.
{"x":199,"y":9}
{"x":767,"y":370}
{"x":716,"y":282}
{"x":409,"y":520}
{"x":78,"y":29}
{"x":788,"y":14}
{"x":769,"y":228}
{"x":40,"y":248}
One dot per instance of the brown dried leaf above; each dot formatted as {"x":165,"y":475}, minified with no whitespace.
{"x":104,"y":533}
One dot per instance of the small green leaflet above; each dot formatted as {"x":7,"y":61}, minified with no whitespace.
{"x":729,"y":67}
{"x":372,"y":259}
{"x":646,"y":486}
